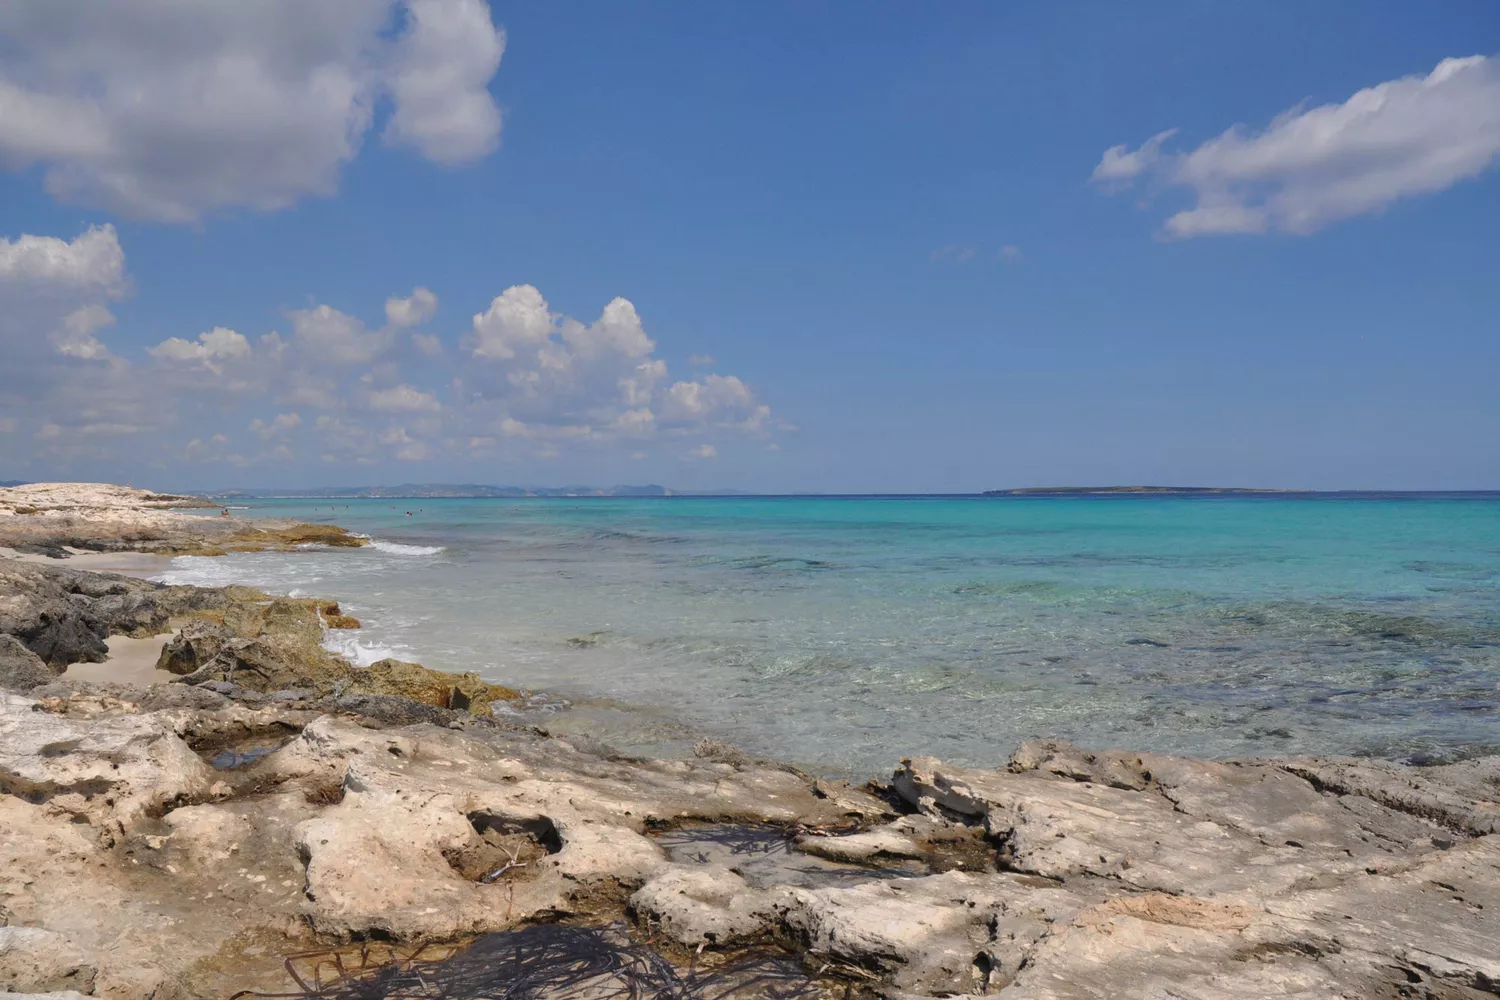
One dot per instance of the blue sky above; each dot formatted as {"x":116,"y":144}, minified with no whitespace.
{"x":861,"y":247}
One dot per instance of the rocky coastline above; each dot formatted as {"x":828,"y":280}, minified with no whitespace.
{"x":279,"y":821}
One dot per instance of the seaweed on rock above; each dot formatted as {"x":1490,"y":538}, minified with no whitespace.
{"x":540,"y":962}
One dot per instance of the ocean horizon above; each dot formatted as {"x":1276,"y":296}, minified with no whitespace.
{"x":841,"y":631}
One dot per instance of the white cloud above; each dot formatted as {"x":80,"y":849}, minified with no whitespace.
{"x":429,"y":344}
{"x":325,"y":334}
{"x":92,"y":263}
{"x":8,"y":425}
{"x":75,"y":338}
{"x":281,"y":424}
{"x":527,"y":380}
{"x":1311,"y":167}
{"x":703,"y":451}
{"x":167,"y":110}
{"x":443,"y":64}
{"x":209,"y":350}
{"x":690,"y":401}
{"x":1120,"y":167}
{"x":1010,"y":252}
{"x":414,"y":310}
{"x":518,"y":319}
{"x":617,"y":331}
{"x":700,"y":360}
{"x":403,"y":399}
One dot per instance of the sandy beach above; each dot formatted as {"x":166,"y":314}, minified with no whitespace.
{"x":142,"y":565}
{"x":130,"y":661}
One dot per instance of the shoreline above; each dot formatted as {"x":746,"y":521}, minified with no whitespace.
{"x":262,"y":799}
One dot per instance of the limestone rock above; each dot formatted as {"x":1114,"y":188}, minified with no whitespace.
{"x":107,"y":772}
{"x":695,"y":907}
{"x":464,"y":692}
{"x":195,"y":644}
{"x":20,"y":669}
{"x":36,"y":960}
{"x":37,"y":610}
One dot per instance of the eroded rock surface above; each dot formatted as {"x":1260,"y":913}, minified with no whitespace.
{"x":132,"y":868}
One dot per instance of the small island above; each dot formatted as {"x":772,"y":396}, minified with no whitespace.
{"x":1135,"y":490}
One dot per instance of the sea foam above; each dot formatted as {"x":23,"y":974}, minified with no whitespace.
{"x":398,"y":549}
{"x":361,"y":654}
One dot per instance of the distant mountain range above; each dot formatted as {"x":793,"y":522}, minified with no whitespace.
{"x":427,"y":491}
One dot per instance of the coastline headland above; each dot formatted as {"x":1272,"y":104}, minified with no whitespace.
{"x":271,"y":818}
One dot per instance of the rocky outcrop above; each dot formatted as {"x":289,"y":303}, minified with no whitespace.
{"x":20,"y":668}
{"x":47,"y":517}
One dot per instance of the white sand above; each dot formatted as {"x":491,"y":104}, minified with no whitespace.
{"x":131,"y":661}
{"x":139,"y":564}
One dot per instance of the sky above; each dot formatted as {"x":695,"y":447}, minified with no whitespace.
{"x":774,"y":247}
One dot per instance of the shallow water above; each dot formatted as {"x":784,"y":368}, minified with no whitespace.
{"x":844,"y":633}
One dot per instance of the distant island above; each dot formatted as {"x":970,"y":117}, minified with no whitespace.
{"x":1093,"y":490}
{"x":431,"y":491}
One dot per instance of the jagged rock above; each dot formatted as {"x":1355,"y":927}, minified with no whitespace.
{"x":21,"y":669}
{"x":463,"y":692}
{"x":195,"y":644}
{"x":38,"y":611}
{"x":264,"y":665}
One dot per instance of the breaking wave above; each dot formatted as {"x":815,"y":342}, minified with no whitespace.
{"x":361,"y":654}
{"x":397,"y":549}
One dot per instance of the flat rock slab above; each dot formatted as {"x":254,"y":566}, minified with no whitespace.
{"x":131,"y":868}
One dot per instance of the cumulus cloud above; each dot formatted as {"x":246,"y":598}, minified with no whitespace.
{"x":541,"y":375}
{"x":1314,"y":166}
{"x":325,"y":334}
{"x":403,"y":399}
{"x":90,"y":264}
{"x":75,"y":337}
{"x":209,"y":350}
{"x":527,"y":380}
{"x":444,"y":61}
{"x":165,"y":110}
{"x":414,"y":310}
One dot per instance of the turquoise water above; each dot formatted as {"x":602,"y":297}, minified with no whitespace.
{"x":844,"y":633}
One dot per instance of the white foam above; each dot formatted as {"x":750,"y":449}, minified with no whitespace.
{"x":396,"y":548}
{"x":348,"y":645}
{"x":198,"y":571}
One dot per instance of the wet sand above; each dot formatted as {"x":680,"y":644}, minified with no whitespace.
{"x":131,"y":661}
{"x":138,"y":564}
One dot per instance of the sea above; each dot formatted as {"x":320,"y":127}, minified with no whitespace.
{"x":844,"y":633}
